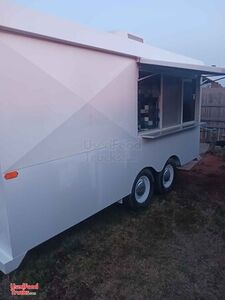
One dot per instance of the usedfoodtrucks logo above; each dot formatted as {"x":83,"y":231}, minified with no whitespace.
{"x":23,"y":289}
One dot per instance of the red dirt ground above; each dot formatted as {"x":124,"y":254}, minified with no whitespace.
{"x":208,"y":174}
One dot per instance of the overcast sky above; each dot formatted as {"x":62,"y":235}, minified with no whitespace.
{"x":195,"y":28}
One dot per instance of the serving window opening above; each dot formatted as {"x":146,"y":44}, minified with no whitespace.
{"x":167,"y":100}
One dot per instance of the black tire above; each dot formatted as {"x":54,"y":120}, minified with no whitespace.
{"x":164,"y":181}
{"x":142,"y":190}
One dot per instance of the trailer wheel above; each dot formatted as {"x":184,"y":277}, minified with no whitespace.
{"x":142,"y":190}
{"x":165,"y":180}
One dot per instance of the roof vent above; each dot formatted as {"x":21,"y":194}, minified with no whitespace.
{"x":128,"y":35}
{"x":135,"y":38}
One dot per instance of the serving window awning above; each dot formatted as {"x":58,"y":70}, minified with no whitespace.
{"x":148,"y":65}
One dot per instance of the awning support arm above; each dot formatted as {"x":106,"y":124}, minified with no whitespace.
{"x":146,"y":77}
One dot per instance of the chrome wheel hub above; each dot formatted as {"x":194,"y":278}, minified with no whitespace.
{"x":142,"y":189}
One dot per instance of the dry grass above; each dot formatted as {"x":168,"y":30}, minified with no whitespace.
{"x":173,"y":250}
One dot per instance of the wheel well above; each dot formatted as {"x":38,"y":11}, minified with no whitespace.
{"x":154,"y":172}
{"x":176,"y":160}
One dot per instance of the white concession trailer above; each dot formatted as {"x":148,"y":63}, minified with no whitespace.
{"x":86,"y":119}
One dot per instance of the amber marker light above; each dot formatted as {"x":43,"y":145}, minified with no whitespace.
{"x":11,"y":175}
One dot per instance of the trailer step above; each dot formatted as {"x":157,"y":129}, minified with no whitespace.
{"x":190,"y":165}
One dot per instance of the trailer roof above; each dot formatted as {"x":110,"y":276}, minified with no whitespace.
{"x":20,"y":19}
